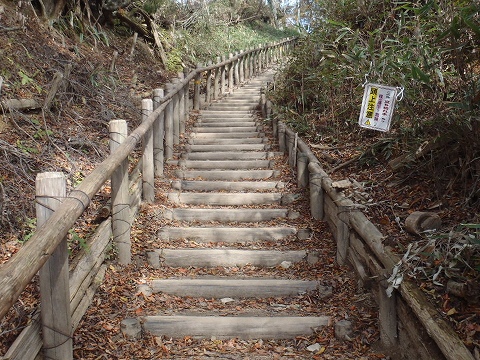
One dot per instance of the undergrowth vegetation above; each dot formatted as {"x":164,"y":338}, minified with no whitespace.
{"x":431,"y":48}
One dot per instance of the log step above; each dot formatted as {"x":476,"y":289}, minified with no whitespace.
{"x":229,"y":257}
{"x":225,"y":114}
{"x":227,"y":123}
{"x":226,"y":135}
{"x":243,"y":327}
{"x":225,"y":148}
{"x":228,"y":175}
{"x":187,"y":185}
{"x":237,"y":107}
{"x":226,"y":234}
{"x":226,"y":129}
{"x":221,"y":165}
{"x":233,"y":288}
{"x":226,"y":215}
{"x":239,"y":155}
{"x":215,"y":141}
{"x":225,"y":199}
{"x":202,"y":119}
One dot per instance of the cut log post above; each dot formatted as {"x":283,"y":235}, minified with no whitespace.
{"x":54,"y":276}
{"x":208,"y":85}
{"x":114,"y":59}
{"x":281,"y":137}
{"x":302,"y":170}
{"x":241,"y":75}
{"x":181,"y":104}
{"x":187,"y":106}
{"x":176,"y":112}
{"x":222,"y":77}
{"x":236,"y":71}
{"x":57,"y":81}
{"x":158,"y":133}
{"x":148,"y":186}
{"x":134,"y":42}
{"x":342,"y":235}
{"x":421,"y":221}
{"x":230,"y":75}
{"x":121,"y":217}
{"x":316,"y":192}
{"x":196,"y":89}
{"x":387,"y":318}
{"x":168,"y":125}
{"x":216,"y":81}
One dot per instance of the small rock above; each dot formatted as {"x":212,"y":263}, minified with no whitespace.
{"x":226,"y":300}
{"x":145,"y":290}
{"x":304,"y":234}
{"x":312,"y":257}
{"x":293,"y":215}
{"x":286,"y":264}
{"x":153,"y":259}
{"x":314,"y":347}
{"x":343,"y":330}
{"x":131,"y":328}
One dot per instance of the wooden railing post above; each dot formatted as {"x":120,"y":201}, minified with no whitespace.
{"x":176,"y":114}
{"x":186,"y":90}
{"x":316,"y":191}
{"x":281,"y":137}
{"x":230,"y":75}
{"x":241,"y":74}
{"x":302,"y":170}
{"x":237,"y":71}
{"x":216,"y":83}
{"x":168,"y":125}
{"x":196,"y":90}
{"x":247,"y":66}
{"x":54,"y":285}
{"x":208,"y":85}
{"x":121,"y":217}
{"x":181,"y":101}
{"x":148,"y":176}
{"x":222,"y":77}
{"x":158,"y":134}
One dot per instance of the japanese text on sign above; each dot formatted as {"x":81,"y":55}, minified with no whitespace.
{"x":377,"y":107}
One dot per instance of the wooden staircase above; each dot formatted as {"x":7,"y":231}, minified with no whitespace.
{"x":226,"y":192}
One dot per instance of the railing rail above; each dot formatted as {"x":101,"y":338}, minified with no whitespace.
{"x":162,"y":124}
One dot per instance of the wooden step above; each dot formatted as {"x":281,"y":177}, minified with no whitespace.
{"x":225,"y":114}
{"x":228,"y":175}
{"x":230,"y":155}
{"x":223,"y":164}
{"x":233,"y":288}
{"x":242,"y":327}
{"x":228,"y":135}
{"x":220,"y":141}
{"x":226,"y":123}
{"x":226,"y":147}
{"x":235,"y":107}
{"x":192,"y":185}
{"x":224,"y":199}
{"x":226,"y":129}
{"x":226,"y":234}
{"x":229,"y":257}
{"x":226,"y":215}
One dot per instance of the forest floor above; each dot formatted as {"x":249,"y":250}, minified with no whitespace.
{"x":69,"y":135}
